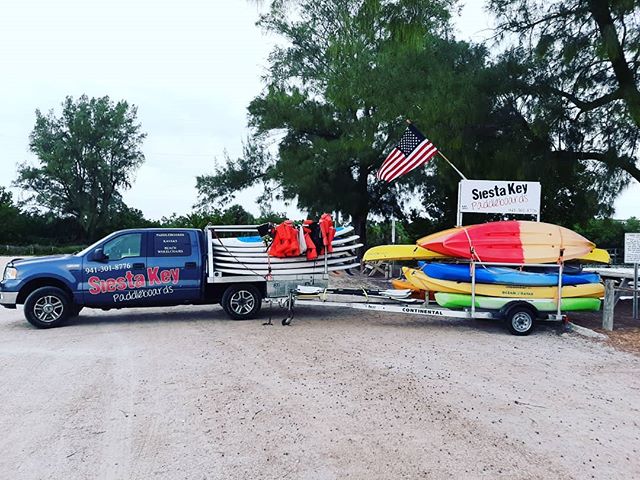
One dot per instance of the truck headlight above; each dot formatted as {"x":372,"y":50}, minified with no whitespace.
{"x":10,"y":273}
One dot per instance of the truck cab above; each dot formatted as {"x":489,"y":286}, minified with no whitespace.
{"x":128,"y":268}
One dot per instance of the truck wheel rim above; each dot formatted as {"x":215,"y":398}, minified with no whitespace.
{"x":242,"y":302}
{"x":521,"y":322}
{"x":48,"y":309}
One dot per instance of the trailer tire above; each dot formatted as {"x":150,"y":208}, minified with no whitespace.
{"x":520,"y":320}
{"x":47,"y":307}
{"x":242,"y":302}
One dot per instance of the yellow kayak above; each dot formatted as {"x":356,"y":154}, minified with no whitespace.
{"x":597,"y":255}
{"x":392,"y":253}
{"x":399,"y":252}
{"x":420,"y":280}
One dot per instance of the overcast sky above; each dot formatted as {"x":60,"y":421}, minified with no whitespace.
{"x":190,"y":66}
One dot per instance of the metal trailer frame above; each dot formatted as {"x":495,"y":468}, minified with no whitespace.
{"x":283,"y":289}
{"x":424,"y":308}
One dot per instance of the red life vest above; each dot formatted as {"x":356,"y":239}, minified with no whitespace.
{"x":328,"y":231}
{"x":285,"y":241}
{"x":312,"y":252}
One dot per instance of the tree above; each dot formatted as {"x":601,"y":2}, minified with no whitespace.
{"x":11,"y":218}
{"x":336,"y":99}
{"x":329,"y":101}
{"x":574,"y":78}
{"x":86,"y":157}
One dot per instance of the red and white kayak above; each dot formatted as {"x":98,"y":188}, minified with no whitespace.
{"x":510,"y":242}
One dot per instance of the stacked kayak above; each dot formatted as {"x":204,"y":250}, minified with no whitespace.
{"x":249,"y":256}
{"x":448,"y":259}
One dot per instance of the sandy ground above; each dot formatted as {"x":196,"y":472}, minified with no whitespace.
{"x":185,"y":393}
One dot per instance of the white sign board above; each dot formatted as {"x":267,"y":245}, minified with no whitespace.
{"x":497,"y":196}
{"x":632,"y":248}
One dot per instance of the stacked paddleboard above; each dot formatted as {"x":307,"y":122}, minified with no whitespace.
{"x":449,"y":256}
{"x":248,"y":256}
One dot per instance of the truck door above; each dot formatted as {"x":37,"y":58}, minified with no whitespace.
{"x":174,"y":260}
{"x":119,"y":276}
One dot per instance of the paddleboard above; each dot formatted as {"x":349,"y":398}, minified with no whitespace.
{"x":340,"y":231}
{"x":512,"y":241}
{"x":293,"y":271}
{"x":503,"y":275}
{"x":418,"y":277}
{"x":262,"y":253}
{"x":399,"y":252}
{"x":238,"y":244}
{"x":240,"y":265}
{"x":457,"y":300}
{"x":273,"y":260}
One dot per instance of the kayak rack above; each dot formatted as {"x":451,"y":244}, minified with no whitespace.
{"x":560,"y":266}
{"x":403,"y":303}
{"x":513,"y":311}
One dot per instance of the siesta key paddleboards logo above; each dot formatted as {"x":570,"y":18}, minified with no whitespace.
{"x":494,"y":196}
{"x":153,"y":277}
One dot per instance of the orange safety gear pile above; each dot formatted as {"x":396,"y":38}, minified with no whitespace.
{"x":310,"y":238}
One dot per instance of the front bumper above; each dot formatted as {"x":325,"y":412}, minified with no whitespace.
{"x":8,"y":299}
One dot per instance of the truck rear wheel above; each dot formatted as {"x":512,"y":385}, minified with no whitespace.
{"x":242,"y":301}
{"x":47,"y":307}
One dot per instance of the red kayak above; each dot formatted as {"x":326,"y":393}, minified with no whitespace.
{"x":509,"y":242}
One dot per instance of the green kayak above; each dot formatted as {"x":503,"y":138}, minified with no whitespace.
{"x":460,"y":300}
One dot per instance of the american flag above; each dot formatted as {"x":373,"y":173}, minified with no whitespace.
{"x":412,"y":151}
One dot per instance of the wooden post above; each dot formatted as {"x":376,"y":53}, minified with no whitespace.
{"x":609,"y":304}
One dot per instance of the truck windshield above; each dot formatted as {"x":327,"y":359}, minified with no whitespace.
{"x":94,"y":245}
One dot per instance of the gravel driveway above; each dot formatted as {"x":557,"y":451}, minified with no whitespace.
{"x":185,"y":393}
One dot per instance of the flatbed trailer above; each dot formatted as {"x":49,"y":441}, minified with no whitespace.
{"x":519,"y":316}
{"x":313,"y":290}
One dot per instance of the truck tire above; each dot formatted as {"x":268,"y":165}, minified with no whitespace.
{"x":241,"y":301}
{"x":520,"y":320}
{"x":47,"y":307}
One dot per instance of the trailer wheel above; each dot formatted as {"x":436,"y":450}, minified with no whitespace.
{"x":242,"y":301}
{"x":47,"y":307}
{"x":520,"y":320}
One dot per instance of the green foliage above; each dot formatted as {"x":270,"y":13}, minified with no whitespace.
{"x":335,"y":102}
{"x":87,"y":155}
{"x":379,"y":233}
{"x":234,"y":215}
{"x":11,"y":221}
{"x":572,"y":75}
{"x":607,"y":232}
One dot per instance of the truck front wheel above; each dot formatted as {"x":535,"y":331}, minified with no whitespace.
{"x":47,"y":307}
{"x":241,"y":302}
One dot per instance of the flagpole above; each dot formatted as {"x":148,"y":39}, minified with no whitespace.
{"x":409,"y":122}
{"x":452,"y":165}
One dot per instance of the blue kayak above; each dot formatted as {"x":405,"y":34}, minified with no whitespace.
{"x":503,"y":275}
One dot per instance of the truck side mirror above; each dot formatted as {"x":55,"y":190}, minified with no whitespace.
{"x":99,"y":256}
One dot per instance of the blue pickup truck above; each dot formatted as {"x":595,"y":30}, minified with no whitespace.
{"x":146,"y":267}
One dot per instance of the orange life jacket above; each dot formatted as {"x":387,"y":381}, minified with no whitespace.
{"x":285,"y":241}
{"x":312,"y":252}
{"x":328,"y":231}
